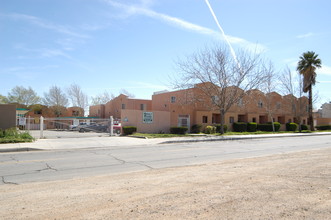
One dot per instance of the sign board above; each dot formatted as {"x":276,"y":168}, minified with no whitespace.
{"x":147,"y":117}
{"x":21,"y":121}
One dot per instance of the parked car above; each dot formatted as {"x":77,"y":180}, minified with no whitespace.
{"x":94,"y":127}
{"x":77,"y":127}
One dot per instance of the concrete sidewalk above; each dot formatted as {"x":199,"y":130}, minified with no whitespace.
{"x":116,"y":141}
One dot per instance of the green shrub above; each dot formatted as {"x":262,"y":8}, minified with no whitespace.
{"x":268,"y":126}
{"x":251,"y":127}
{"x":11,"y":132}
{"x":210,"y":130}
{"x":304,"y":127}
{"x":291,"y":126}
{"x":2,"y":133}
{"x":323,"y":127}
{"x":127,"y":130}
{"x":218,"y":128}
{"x":196,"y":129}
{"x":178,"y":130}
{"x":239,"y":127}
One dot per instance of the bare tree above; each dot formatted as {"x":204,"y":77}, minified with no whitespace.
{"x":56,"y":99}
{"x":293,"y":87}
{"x":268,"y":87}
{"x":22,"y":95}
{"x":125,"y":92}
{"x":102,"y":98}
{"x":77,"y":96}
{"x":3,"y":99}
{"x":222,"y":80}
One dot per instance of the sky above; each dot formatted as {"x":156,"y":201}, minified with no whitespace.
{"x":110,"y":45}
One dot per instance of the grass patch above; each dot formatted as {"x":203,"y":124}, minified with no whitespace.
{"x":159,"y":135}
{"x":13,"y":136}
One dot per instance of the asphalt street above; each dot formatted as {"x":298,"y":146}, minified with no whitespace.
{"x":24,"y":167}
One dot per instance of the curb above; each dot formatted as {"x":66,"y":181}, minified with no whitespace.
{"x":229,"y":138}
{"x":23,"y":149}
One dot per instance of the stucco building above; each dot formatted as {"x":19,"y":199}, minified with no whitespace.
{"x":189,"y":106}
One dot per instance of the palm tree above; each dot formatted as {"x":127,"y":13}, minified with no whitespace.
{"x":306,"y":66}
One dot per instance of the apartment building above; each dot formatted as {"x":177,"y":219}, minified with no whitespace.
{"x":190,"y":106}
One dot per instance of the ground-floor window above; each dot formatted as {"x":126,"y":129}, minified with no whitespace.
{"x":231,"y":119}
{"x":204,"y":119}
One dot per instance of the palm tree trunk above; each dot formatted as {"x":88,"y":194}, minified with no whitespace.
{"x":311,"y":120}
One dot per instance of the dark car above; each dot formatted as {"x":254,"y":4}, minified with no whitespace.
{"x":94,"y":127}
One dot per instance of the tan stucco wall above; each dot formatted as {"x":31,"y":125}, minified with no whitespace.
{"x":161,"y":121}
{"x":7,"y":116}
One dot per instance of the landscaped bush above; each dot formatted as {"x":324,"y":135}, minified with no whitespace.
{"x":127,"y":130}
{"x":323,"y":127}
{"x":268,"y":126}
{"x":304,"y":127}
{"x":12,"y":135}
{"x":291,"y":126}
{"x":196,"y":129}
{"x":239,"y":127}
{"x":2,"y":133}
{"x":251,"y":127}
{"x":210,"y":130}
{"x":218,"y":128}
{"x":178,"y":130}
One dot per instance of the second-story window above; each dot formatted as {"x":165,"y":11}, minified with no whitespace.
{"x":173,"y":99}
{"x":123,"y":106}
{"x":260,"y":104}
{"x":142,"y":107}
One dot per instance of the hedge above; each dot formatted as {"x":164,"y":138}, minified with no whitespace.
{"x":127,"y":130}
{"x":251,"y":127}
{"x":12,"y":135}
{"x":178,"y":130}
{"x":323,"y":127}
{"x":239,"y":127}
{"x":196,"y":129}
{"x":291,"y":126}
{"x":218,"y":128}
{"x":268,"y":126}
{"x":304,"y":127}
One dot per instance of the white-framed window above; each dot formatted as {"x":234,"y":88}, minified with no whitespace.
{"x":260,"y":104}
{"x":173,"y":99}
{"x":123,"y":106}
{"x":231,"y":119}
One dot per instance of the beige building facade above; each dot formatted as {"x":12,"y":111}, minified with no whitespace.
{"x":189,"y":107}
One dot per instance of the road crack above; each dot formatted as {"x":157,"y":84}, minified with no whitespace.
{"x":6,"y":182}
{"x":48,"y":167}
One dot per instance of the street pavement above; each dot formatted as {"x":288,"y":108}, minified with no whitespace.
{"x":104,"y":141}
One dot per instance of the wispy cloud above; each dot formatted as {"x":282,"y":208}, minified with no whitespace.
{"x":45,"y":24}
{"x":307,"y":35}
{"x":180,"y":23}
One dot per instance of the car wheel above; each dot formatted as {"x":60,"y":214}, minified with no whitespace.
{"x":81,"y":130}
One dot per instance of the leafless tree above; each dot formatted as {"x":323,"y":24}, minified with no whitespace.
{"x":77,"y":96}
{"x":268,"y":87}
{"x":56,"y":99}
{"x":22,"y":95}
{"x":293,"y":86}
{"x":222,"y":79}
{"x":102,"y":98}
{"x":125,"y":92}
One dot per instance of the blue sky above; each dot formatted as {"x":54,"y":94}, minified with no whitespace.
{"x":133,"y":44}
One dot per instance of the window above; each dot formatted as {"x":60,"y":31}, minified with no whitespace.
{"x":278,"y":105}
{"x":204,"y":119}
{"x":240,"y":102}
{"x":254,"y":119}
{"x":142,"y":106}
{"x":231,"y":119}
{"x":173,"y":99}
{"x":123,"y":106}
{"x":260,"y":104}
{"x":215,"y":99}
{"x":75,"y":113}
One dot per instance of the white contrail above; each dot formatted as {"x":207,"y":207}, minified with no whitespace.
{"x":222,"y":31}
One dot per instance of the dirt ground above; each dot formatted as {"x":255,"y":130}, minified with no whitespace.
{"x":284,"y":186}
